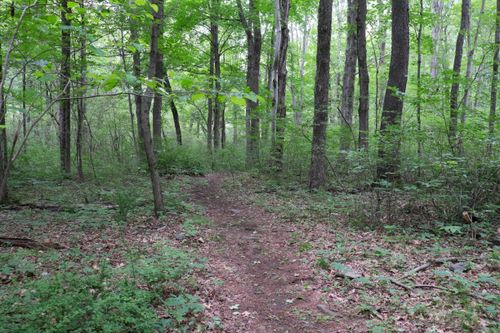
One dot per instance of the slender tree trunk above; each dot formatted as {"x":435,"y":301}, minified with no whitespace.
{"x":437,"y":9}
{"x":215,"y":78}
{"x":252,"y":28}
{"x":381,"y":62}
{"x":390,"y":128}
{"x":468,"y":73}
{"x":494,"y":86}
{"x":338,"y":75}
{"x":173,"y":108}
{"x":305,"y":43}
{"x":364,"y":79}
{"x":346,"y":135}
{"x":223,"y":125}
{"x":3,"y":136}
{"x":25,"y":115}
{"x":419,"y":81}
{"x":457,"y":66}
{"x":143,"y":104}
{"x":281,"y":11}
{"x":317,"y":175}
{"x":65,"y":104}
{"x":157,"y":30}
{"x":210,"y":106}
{"x":81,"y":105}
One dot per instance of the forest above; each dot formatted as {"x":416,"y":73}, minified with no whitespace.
{"x":249,"y":166}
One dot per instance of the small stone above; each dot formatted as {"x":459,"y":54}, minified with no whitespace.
{"x":459,"y":267}
{"x":180,"y":236}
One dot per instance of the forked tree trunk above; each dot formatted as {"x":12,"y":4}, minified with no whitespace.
{"x":390,"y":128}
{"x":317,"y":173}
{"x":457,"y":66}
{"x":65,"y":103}
{"x":251,"y":24}
{"x":346,"y":135}
{"x":281,"y":11}
{"x":494,"y":85}
{"x":364,"y":79}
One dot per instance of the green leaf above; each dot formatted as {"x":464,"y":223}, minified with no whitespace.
{"x":72,"y":4}
{"x":111,"y":81}
{"x":240,"y":101}
{"x":155,"y":7}
{"x":197,"y":97}
{"x":140,"y":2}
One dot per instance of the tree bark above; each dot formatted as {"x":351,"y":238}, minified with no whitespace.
{"x":173,"y":109}
{"x":419,"y":80}
{"x":251,"y":24}
{"x":81,"y":105}
{"x":157,"y":58}
{"x":3,"y":137}
{"x":437,"y":9}
{"x":364,"y":79}
{"x":457,"y":66}
{"x":65,"y":103}
{"x":390,"y":128}
{"x":143,"y":104}
{"x":281,"y":11}
{"x":494,"y":86}
{"x":317,"y":174}
{"x":215,"y":78}
{"x":346,"y":134}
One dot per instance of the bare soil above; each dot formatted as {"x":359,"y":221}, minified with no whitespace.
{"x":256,"y":280}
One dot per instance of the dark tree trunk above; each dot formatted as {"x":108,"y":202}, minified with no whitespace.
{"x":173,"y":108}
{"x":157,"y":58}
{"x":81,"y":105}
{"x":390,"y":128}
{"x":419,"y":80}
{"x":494,"y":85}
{"x":65,"y":104}
{"x":346,"y":135}
{"x":3,"y":136}
{"x":251,"y":24}
{"x":143,"y":104}
{"x":457,"y":66}
{"x":215,"y":73}
{"x":282,"y":8}
{"x":317,"y":175}
{"x":364,"y":79}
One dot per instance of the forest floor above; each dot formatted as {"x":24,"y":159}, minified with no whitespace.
{"x":236,"y":253}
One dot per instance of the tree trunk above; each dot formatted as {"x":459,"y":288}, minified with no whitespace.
{"x":437,"y":9}
{"x":346,"y":135}
{"x":305,"y":41}
{"x":173,"y":108}
{"x":81,"y":105}
{"x":468,"y":74}
{"x":251,"y":24}
{"x":364,"y":79}
{"x":494,"y":86}
{"x":3,"y":137}
{"x":390,"y":128}
{"x":157,"y":58}
{"x":215,"y":77}
{"x":281,"y":11}
{"x":143,"y":104}
{"x":65,"y":104}
{"x":317,"y":175}
{"x":457,"y":66}
{"x":419,"y":81}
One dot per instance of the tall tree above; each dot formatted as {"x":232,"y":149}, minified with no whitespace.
{"x":317,"y":174}
{"x":437,"y":9}
{"x":364,"y":79}
{"x":215,"y":72}
{"x":3,"y":133}
{"x":419,"y":78}
{"x":281,"y":12}
{"x":251,"y":24}
{"x":81,"y":104}
{"x":390,"y":127}
{"x":346,"y":135}
{"x":157,"y":30}
{"x":143,"y":104}
{"x":494,"y":85}
{"x":65,"y":77}
{"x":173,"y":109}
{"x":457,"y":66}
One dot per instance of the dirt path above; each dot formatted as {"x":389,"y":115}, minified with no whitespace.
{"x":256,"y":281}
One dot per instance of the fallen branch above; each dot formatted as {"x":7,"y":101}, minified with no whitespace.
{"x":431,"y":263}
{"x":30,"y":244}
